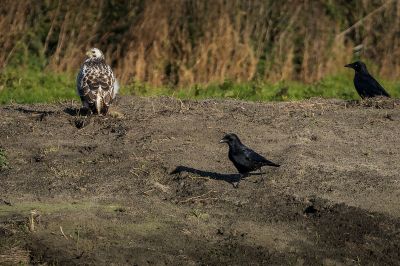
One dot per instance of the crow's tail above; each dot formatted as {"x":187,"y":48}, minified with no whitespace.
{"x":269,"y":163}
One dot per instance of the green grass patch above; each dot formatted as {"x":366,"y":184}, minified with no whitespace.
{"x":31,"y":85}
{"x":338,"y":86}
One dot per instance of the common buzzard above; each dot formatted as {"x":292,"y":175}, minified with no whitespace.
{"x":96,"y":84}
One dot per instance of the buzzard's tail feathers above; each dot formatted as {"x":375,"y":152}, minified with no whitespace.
{"x":116,"y":88}
{"x":98,"y":103}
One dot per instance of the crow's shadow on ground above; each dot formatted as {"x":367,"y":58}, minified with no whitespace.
{"x":212,"y":175}
{"x":230,"y":178}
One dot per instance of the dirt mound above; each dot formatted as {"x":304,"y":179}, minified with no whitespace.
{"x":149,"y":184}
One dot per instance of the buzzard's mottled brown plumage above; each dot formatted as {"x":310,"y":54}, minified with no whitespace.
{"x":96,"y":84}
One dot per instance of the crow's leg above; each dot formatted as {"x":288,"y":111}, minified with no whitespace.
{"x":236,"y":183}
{"x":261,"y":180}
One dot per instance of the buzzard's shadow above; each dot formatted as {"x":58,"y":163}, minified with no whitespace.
{"x":41,"y":114}
{"x":76,"y":111}
{"x":29,"y":111}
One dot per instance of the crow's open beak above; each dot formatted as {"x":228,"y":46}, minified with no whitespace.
{"x":349,"y":66}
{"x":222,"y":141}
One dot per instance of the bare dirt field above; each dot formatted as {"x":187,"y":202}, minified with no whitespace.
{"x":150,"y":184}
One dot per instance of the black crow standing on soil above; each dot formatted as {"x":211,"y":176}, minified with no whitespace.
{"x":243,"y":158}
{"x":365,"y":84}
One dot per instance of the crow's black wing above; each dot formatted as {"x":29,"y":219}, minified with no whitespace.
{"x":256,"y":158}
{"x":367,"y":86}
{"x":378,"y":90}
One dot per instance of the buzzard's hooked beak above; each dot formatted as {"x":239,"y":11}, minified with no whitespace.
{"x":88,"y":53}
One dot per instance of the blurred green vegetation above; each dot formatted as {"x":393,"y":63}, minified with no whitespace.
{"x":32,"y":85}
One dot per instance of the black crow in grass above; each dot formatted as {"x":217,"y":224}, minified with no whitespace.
{"x":243,"y":158}
{"x":365,"y":84}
